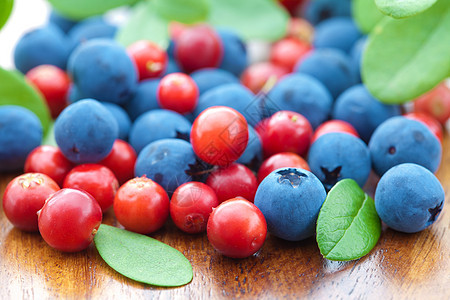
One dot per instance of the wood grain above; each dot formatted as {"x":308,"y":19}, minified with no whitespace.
{"x":401,"y":266}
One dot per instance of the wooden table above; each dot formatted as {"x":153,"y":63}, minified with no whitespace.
{"x":404,"y":266}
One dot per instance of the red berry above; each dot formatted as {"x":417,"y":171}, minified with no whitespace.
{"x":50,"y":161}
{"x":432,"y":124}
{"x":198,"y":47}
{"x":24,"y":196}
{"x":219,"y":135}
{"x":141,"y":205}
{"x":300,"y":29}
{"x":69,"y":220}
{"x":97,"y":180}
{"x":121,"y":161}
{"x":176,"y":28}
{"x":281,"y":160}
{"x":285,"y":131}
{"x":233,"y":181}
{"x":287,"y":52}
{"x":236,"y":228}
{"x":292,"y":6}
{"x":54,"y":85}
{"x":435,"y":103}
{"x":149,"y":58}
{"x":256,"y":75}
{"x":178,"y":92}
{"x":334,"y":126}
{"x":191,"y":205}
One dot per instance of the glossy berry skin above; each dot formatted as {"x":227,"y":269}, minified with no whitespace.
{"x":141,"y":205}
{"x":281,"y":160}
{"x":339,"y":33}
{"x":401,"y":140}
{"x":287,"y":52}
{"x":97,"y":180}
{"x":432,"y":124}
{"x":198,"y":47}
{"x":178,"y":92}
{"x":285,"y":131}
{"x":69,"y":220}
{"x":233,"y":181}
{"x":219,"y":135}
{"x":190,"y":206}
{"x":435,"y":103}
{"x":54,"y":85}
{"x":334,"y":126}
{"x":290,"y":200}
{"x":50,"y":161}
{"x":236,"y":228}
{"x":149,"y":58}
{"x":409,"y":198}
{"x":121,"y":161}
{"x":24,"y":196}
{"x":256,"y":75}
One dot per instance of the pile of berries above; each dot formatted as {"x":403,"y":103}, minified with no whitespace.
{"x":198,"y":133}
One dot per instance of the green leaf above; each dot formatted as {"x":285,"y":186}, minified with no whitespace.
{"x":348,"y":226}
{"x":184,"y":11}
{"x":80,"y":9}
{"x":404,"y":8}
{"x":406,"y":58}
{"x":252,"y":19}
{"x":5,"y":10}
{"x":14,"y":90}
{"x":144,"y":24}
{"x":49,"y":138}
{"x":366,"y":14}
{"x":142,"y":258}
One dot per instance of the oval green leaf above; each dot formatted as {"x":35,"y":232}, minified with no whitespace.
{"x":405,"y":8}
{"x":5,"y":10}
{"x":184,"y":11}
{"x":252,"y":19}
{"x":142,"y":258}
{"x":80,"y":9}
{"x":49,"y":138}
{"x":348,"y":226}
{"x":366,"y":14}
{"x":406,"y":58}
{"x":14,"y":90}
{"x":144,"y":24}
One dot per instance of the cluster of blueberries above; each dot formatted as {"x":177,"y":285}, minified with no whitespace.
{"x":108,"y":102}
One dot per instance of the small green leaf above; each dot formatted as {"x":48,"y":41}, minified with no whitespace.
{"x":142,"y":258}
{"x":184,"y":11}
{"x":366,"y":14}
{"x":406,"y":58}
{"x":49,"y":138}
{"x":404,"y":8}
{"x":144,"y":24}
{"x":80,"y":9}
{"x":5,"y":10}
{"x":348,"y":226}
{"x":252,"y":19}
{"x":14,"y":90}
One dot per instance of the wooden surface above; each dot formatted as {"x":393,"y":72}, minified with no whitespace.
{"x":401,"y":266}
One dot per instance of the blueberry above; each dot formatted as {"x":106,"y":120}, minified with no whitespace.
{"x":356,"y":55}
{"x":359,"y":108}
{"x":167,"y":162}
{"x":303,"y":94}
{"x":101,"y":69}
{"x":158,"y":124}
{"x":172,"y":67}
{"x":20,"y":133}
{"x":144,"y":99}
{"x":74,"y":94}
{"x":234,"y":52}
{"x":45,"y":45}
{"x":339,"y":32}
{"x":409,"y":198}
{"x":61,"y":22}
{"x":209,"y":78}
{"x":253,"y":154}
{"x":290,"y":200}
{"x":401,"y":140}
{"x":91,"y":28}
{"x":335,"y":156}
{"x":122,"y":118}
{"x":332,"y":67}
{"x":85,"y":131}
{"x":319,"y":10}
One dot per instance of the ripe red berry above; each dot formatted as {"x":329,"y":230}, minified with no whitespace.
{"x":54,"y":85}
{"x":121,"y":161}
{"x":97,"y":180}
{"x":256,"y":75}
{"x":435,"y":103}
{"x":334,"y":126}
{"x":149,"y":58}
{"x":178,"y":92}
{"x":281,"y":160}
{"x":69,"y":220}
{"x":287,"y":52}
{"x":24,"y":196}
{"x":233,"y":181}
{"x":191,"y":205}
{"x":219,"y":135}
{"x":198,"y":47}
{"x":300,"y":29}
{"x":141,"y":205}
{"x":432,"y":124}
